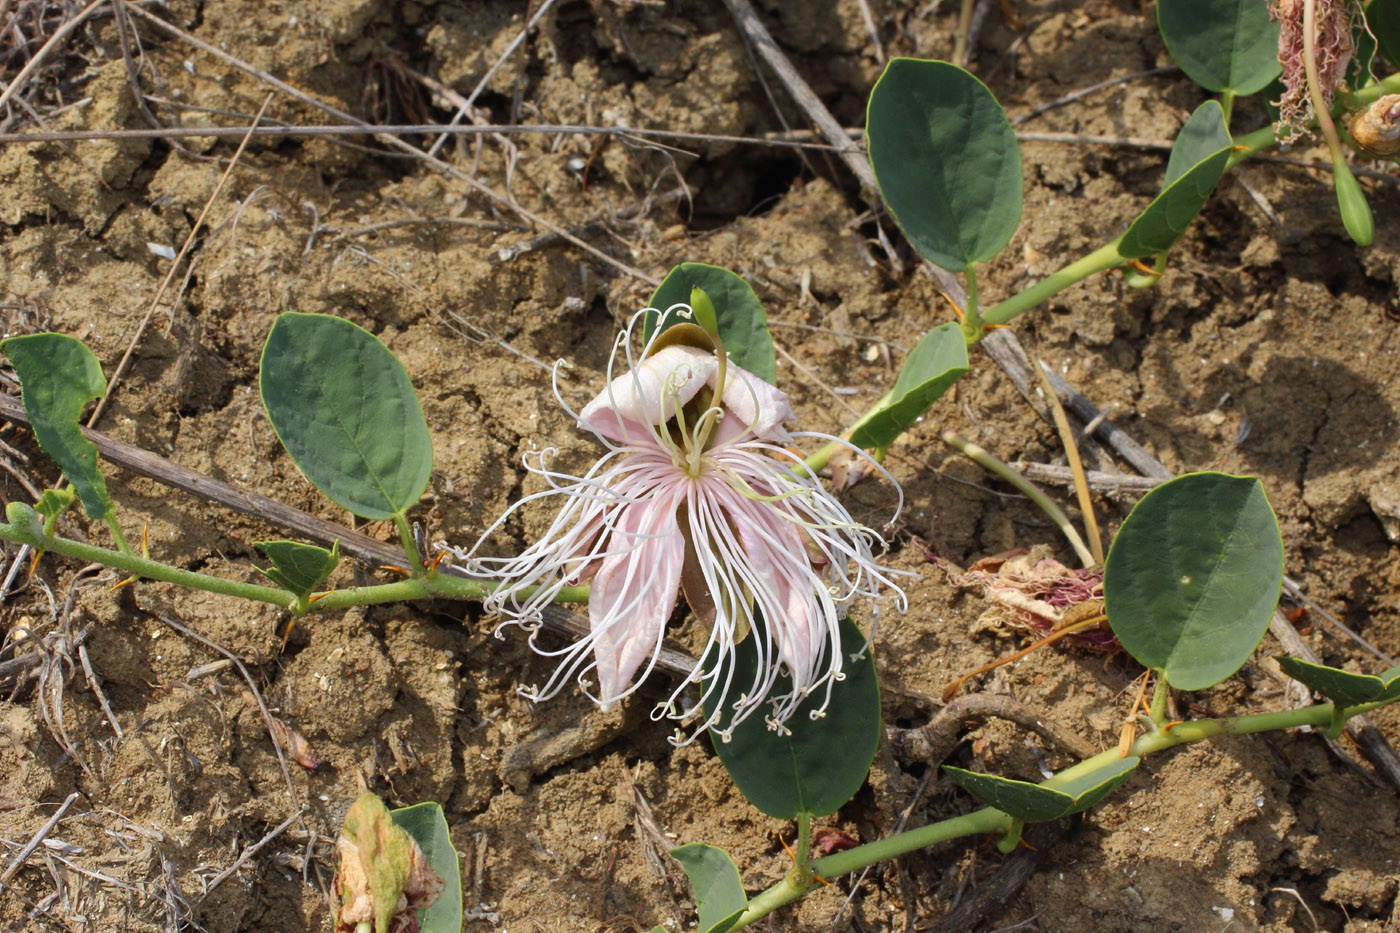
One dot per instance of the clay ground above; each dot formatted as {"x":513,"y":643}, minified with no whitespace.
{"x":1268,"y":348}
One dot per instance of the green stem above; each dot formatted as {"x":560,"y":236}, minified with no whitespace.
{"x":1106,"y":257}
{"x":818,"y":461}
{"x":804,"y":840}
{"x":148,"y":569}
{"x":980,"y":822}
{"x":995,"y":822}
{"x":984,"y":459}
{"x":1324,"y":116}
{"x":1158,"y":710}
{"x":1227,"y":104}
{"x":429,"y":586}
{"x":117,"y":535}
{"x":410,"y":547}
{"x":972,"y":325}
{"x":1100,"y":260}
{"x":1374,"y":91}
{"x":1250,"y":143}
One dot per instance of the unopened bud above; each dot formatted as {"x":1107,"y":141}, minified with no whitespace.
{"x":705,"y":314}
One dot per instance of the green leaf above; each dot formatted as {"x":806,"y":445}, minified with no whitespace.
{"x":821,"y":763}
{"x":743,"y":324}
{"x":345,"y":410}
{"x":1036,"y":803}
{"x":1391,"y":685}
{"x":1198,"y":159}
{"x":719,"y":894}
{"x":1383,"y":19}
{"x":58,"y":376}
{"x":1343,"y":688}
{"x":1193,"y":577}
{"x":427,"y":825}
{"x":298,"y":567}
{"x":937,"y":362}
{"x":946,"y":161}
{"x":1221,"y":44}
{"x":53,"y":503}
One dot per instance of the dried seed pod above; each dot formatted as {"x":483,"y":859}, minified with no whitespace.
{"x":1376,"y":130}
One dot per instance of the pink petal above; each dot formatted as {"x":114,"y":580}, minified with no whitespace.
{"x":635,"y":591}
{"x":754,"y":404}
{"x":778,"y":563}
{"x":647,"y":395}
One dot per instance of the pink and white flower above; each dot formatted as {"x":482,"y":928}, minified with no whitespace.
{"x":698,"y":492}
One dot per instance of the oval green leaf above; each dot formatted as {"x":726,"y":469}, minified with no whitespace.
{"x":344,"y":408}
{"x":298,"y":567}
{"x":937,"y":362}
{"x":1343,"y":688}
{"x":1198,"y":159}
{"x":820,"y":763}
{"x":719,"y":894}
{"x":743,"y":324}
{"x":1193,"y":577}
{"x":57,"y":377}
{"x":1221,"y":44}
{"x":1036,"y":803}
{"x":946,"y":160}
{"x":427,"y":825}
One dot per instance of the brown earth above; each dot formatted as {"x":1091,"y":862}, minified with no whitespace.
{"x":1267,"y":349}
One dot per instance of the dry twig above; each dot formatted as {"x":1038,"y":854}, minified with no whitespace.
{"x":36,"y":841}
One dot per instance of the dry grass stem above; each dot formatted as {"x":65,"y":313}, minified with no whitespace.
{"x":35,"y":841}
{"x":248,"y":853}
{"x":1115,"y":485}
{"x":1076,"y":466}
{"x":53,"y":42}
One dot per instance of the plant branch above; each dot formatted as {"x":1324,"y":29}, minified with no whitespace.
{"x":428,"y":586}
{"x":992,"y":821}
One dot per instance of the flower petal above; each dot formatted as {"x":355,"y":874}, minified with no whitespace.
{"x":754,"y":404}
{"x":774,"y":549}
{"x":633,"y":404}
{"x":634,"y":591}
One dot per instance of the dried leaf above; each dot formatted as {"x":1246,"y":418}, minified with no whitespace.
{"x":295,"y":745}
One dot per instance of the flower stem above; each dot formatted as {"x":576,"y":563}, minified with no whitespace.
{"x":1324,"y":116}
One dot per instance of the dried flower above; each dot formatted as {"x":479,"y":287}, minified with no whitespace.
{"x":1376,"y":130}
{"x":1333,"y":51}
{"x":1032,"y":590}
{"x":697,"y":492}
{"x":384,"y":878}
